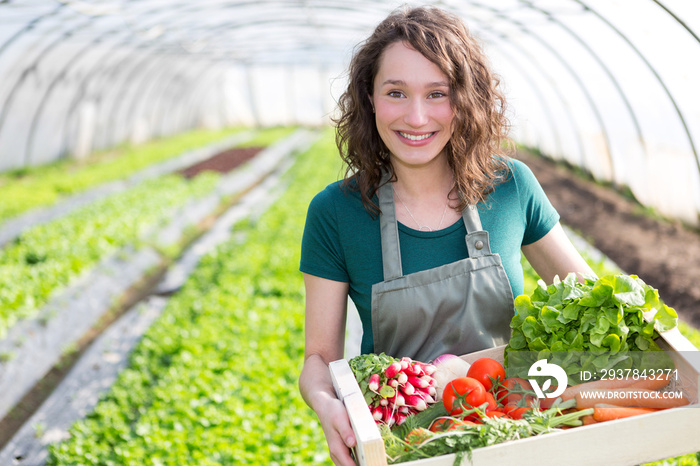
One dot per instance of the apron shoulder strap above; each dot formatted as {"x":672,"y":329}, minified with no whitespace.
{"x":389,"y":228}
{"x":477,"y":238}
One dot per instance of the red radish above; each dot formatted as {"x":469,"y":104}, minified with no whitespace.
{"x":418,"y":382}
{"x":374,"y":382}
{"x":397,"y":380}
{"x":388,"y":416}
{"x":402,"y":378}
{"x":414,"y":369}
{"x":426,"y":397}
{"x":393,"y":369}
{"x":428,"y":369}
{"x":416,"y":402}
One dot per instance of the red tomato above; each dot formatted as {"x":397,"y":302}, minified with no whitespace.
{"x":461,"y":424}
{"x":444,"y":424}
{"x":513,"y":389}
{"x":417,"y":436}
{"x":462,"y":394}
{"x":495,"y":413}
{"x":487,"y":371}
{"x":515,"y":411}
{"x":441,"y":424}
{"x":492,"y":405}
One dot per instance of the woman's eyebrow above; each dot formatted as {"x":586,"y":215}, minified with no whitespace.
{"x":400,"y":82}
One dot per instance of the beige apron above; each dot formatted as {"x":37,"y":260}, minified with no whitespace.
{"x":456,"y":308}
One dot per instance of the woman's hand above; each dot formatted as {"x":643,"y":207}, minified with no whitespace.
{"x":339,"y":435}
{"x":317,"y":389}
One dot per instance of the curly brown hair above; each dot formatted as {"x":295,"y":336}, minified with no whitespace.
{"x":478,"y":149}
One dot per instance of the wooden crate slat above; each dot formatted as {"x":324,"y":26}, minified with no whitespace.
{"x":370,"y":445}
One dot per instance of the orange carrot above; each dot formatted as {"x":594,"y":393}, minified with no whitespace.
{"x":629,"y":397}
{"x":571,"y":391}
{"x":651,"y":384}
{"x":588,"y":420}
{"x":608,"y":384}
{"x":605,"y":412}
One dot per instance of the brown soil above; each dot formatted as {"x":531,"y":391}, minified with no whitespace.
{"x":223,"y":162}
{"x":665,"y":254}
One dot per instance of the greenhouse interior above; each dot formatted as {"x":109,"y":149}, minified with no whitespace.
{"x":158,"y":160}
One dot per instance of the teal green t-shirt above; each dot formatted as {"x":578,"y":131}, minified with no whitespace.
{"x":341,"y":240}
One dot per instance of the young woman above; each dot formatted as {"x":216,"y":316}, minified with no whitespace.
{"x":425,"y":232}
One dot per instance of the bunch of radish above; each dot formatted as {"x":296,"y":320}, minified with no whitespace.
{"x":395,"y":388}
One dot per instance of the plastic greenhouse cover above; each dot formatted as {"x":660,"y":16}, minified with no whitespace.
{"x":604,"y":84}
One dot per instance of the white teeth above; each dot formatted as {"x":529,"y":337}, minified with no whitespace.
{"x":417,"y":137}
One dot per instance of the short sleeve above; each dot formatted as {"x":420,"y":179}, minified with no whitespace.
{"x":321,"y":251}
{"x":540,"y":215}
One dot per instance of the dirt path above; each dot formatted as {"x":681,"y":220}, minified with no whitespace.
{"x":665,"y":255}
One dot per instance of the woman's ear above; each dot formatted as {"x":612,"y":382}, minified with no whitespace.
{"x":371,"y":102}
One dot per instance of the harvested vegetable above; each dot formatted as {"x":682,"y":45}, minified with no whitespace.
{"x":463,"y":394}
{"x":488,"y":371}
{"x":462,"y":437}
{"x":448,"y":367}
{"x":512,"y":390}
{"x":602,"y":321}
{"x":605,"y":412}
{"x":648,"y":383}
{"x":394,"y":389}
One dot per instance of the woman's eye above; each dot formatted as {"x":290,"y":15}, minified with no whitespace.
{"x":396,"y":94}
{"x":436,"y":94}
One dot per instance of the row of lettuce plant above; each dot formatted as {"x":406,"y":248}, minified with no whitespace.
{"x":214,"y":380}
{"x":48,"y":257}
{"x":29,"y":188}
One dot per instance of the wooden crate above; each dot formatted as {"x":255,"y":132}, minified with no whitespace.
{"x":630,"y":441}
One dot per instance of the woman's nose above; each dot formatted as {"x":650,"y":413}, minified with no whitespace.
{"x":416,"y":113}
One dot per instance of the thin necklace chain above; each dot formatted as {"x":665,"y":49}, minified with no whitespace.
{"x":420,"y":227}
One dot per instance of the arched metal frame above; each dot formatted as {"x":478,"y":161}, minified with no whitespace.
{"x":98,"y":74}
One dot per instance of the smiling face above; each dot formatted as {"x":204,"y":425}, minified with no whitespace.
{"x":412,"y":106}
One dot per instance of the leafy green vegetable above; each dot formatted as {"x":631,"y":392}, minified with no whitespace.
{"x":364,"y":365}
{"x":598,"y":320}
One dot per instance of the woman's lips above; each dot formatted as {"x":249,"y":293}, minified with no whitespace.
{"x":415,"y":137}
